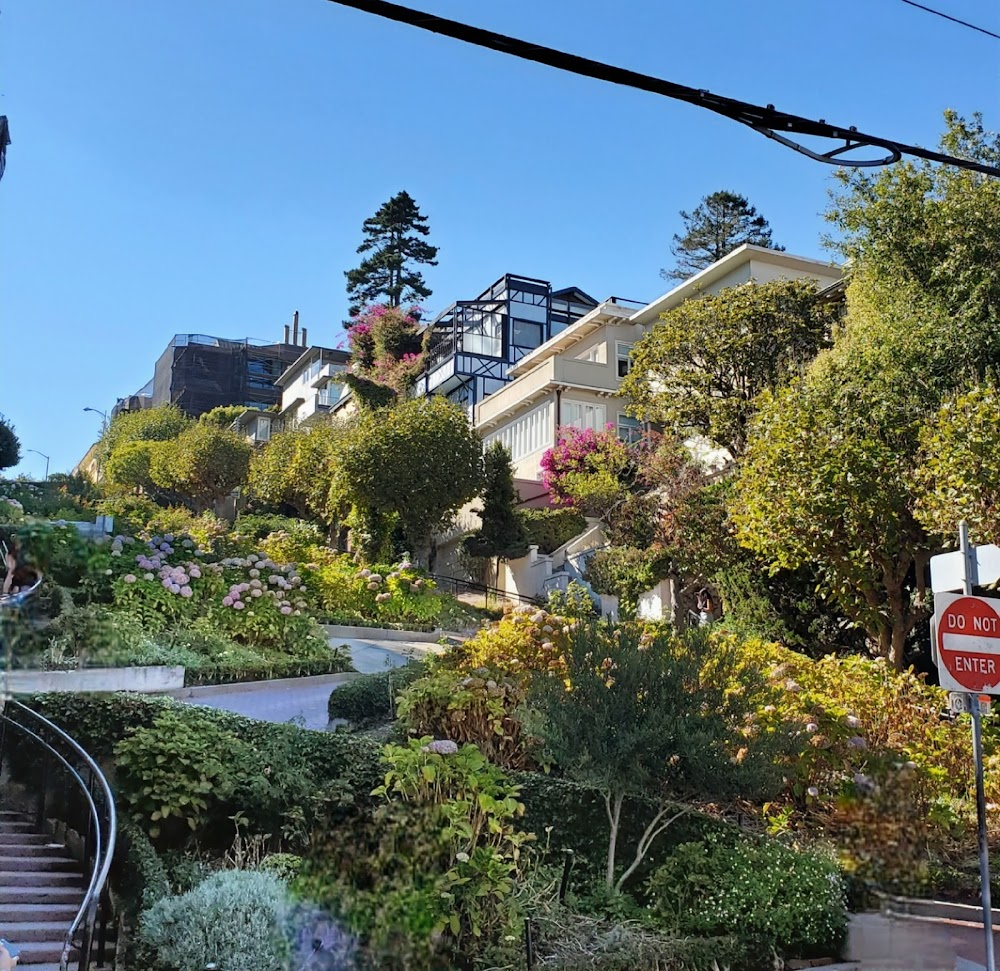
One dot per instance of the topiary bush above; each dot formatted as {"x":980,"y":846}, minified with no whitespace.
{"x":371,"y":698}
{"x":236,"y":920}
{"x":772,"y":897}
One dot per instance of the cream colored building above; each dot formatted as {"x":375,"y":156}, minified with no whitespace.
{"x":573,"y":379}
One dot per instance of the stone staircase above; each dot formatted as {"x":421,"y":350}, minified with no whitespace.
{"x":41,"y":890}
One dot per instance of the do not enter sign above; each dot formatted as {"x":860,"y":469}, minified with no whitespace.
{"x":968,"y":642}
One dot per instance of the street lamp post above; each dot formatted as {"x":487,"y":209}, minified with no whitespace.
{"x":104,"y":423}
{"x":44,"y":456}
{"x":104,"y":428}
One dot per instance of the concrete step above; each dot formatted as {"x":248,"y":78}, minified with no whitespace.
{"x":17,"y":895}
{"x":16,"y":826}
{"x":38,"y":863}
{"x":26,"y":839}
{"x":39,"y":878}
{"x":18,"y":913}
{"x":21,"y":850}
{"x":22,"y":932}
{"x":42,"y":952}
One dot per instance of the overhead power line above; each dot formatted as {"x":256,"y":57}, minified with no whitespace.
{"x":954,"y":20}
{"x":766,"y":120}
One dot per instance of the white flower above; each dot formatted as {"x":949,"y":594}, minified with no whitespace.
{"x":442,"y":746}
{"x":462,"y":857}
{"x":812,"y":791}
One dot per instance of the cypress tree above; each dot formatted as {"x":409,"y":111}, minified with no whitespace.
{"x":389,"y":274}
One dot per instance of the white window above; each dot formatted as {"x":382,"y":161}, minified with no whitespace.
{"x":598,"y":354}
{"x":623,"y":354}
{"x":629,"y":429}
{"x":527,"y":434}
{"x":581,"y":414}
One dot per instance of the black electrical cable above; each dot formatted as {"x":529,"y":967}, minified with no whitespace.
{"x":765,"y":120}
{"x":954,"y":20}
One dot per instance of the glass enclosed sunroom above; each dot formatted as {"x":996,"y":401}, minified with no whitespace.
{"x":474,"y":343}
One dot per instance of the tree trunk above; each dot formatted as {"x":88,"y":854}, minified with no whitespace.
{"x":897,"y":644}
{"x":614,"y":816}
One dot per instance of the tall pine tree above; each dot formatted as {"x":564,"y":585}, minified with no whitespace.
{"x":392,"y":236}
{"x":502,"y":535}
{"x":722,"y":222}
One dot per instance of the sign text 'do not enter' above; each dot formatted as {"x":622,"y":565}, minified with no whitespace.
{"x":968,"y":643}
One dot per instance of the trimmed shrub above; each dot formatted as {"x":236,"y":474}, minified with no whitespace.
{"x":234,"y":919}
{"x":771,"y":896}
{"x":289,"y":783}
{"x":372,"y":697}
{"x":548,"y":529}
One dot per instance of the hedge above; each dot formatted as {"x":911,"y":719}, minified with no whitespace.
{"x":265,"y":671}
{"x":99,"y":721}
{"x":548,"y":529}
{"x":365,"y":700}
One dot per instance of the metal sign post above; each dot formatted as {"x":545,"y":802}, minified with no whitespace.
{"x":968,"y":558}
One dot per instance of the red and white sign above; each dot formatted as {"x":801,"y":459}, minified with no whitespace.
{"x":968,"y":642}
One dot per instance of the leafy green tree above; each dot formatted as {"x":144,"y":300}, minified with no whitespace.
{"x":420,"y":461}
{"x":634,"y":716}
{"x":827,"y":476}
{"x":705,"y":363}
{"x":502,"y":535}
{"x":203,"y":464}
{"x":392,"y":236}
{"x":223,"y":416}
{"x":129,"y":466}
{"x":148,"y":425}
{"x":958,"y":472}
{"x":933,"y":227}
{"x":722,"y":222}
{"x":10,"y":447}
{"x":298,"y":466}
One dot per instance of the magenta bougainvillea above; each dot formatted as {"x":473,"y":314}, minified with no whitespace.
{"x":387,"y":348}
{"x":581,"y":451}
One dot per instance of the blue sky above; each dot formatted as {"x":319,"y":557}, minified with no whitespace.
{"x":193,"y":167}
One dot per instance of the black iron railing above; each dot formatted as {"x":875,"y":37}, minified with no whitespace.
{"x":457,"y":585}
{"x":61,"y":767}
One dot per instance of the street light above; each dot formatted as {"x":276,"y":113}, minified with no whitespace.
{"x":44,"y":456}
{"x":97,"y":411}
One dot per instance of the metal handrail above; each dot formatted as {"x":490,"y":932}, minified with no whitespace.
{"x":104,"y":836}
{"x":474,"y":587}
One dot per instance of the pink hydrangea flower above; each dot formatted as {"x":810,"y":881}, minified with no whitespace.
{"x":129,"y":578}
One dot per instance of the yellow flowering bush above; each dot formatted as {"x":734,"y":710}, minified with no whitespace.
{"x":523,"y":641}
{"x":876,"y":766}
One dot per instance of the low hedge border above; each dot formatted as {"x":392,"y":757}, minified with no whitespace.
{"x":269,"y":671}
